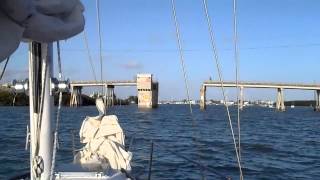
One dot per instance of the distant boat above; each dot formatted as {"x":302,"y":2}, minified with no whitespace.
{"x":270,"y":106}
{"x":292,"y":106}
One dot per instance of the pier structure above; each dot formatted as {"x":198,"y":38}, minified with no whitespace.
{"x":75,"y":96}
{"x":147,"y":90}
{"x":280,"y":100}
{"x":280,"y":87}
{"x":109,"y":95}
{"x":203,"y":97}
{"x":317,"y":108}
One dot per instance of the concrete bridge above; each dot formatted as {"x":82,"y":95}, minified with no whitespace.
{"x":103,"y":83}
{"x":278,"y":86}
{"x":147,"y":90}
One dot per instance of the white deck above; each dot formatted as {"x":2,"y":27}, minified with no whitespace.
{"x":76,"y":172}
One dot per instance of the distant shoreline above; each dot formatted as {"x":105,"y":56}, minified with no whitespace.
{"x":21,"y":99}
{"x":10,"y":98}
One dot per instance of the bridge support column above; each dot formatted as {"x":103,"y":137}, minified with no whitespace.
{"x":75,"y":96}
{"x":241,"y":99}
{"x":280,"y":100}
{"x":203,"y":92}
{"x":317,"y":108}
{"x":147,"y":91}
{"x":109,"y":95}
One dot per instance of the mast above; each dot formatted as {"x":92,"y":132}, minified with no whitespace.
{"x":41,"y":106}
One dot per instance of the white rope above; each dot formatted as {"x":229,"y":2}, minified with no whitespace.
{"x":89,"y":54}
{"x":236,"y":58}
{"x":216,"y":58}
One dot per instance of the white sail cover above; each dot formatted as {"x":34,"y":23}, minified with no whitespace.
{"x":41,"y":21}
{"x":104,"y":149}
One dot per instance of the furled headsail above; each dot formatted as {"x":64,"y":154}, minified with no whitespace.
{"x":41,"y":21}
{"x":104,"y":148}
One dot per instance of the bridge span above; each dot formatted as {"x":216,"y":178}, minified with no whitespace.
{"x":103,"y":83}
{"x":147,"y":90}
{"x":278,"y":86}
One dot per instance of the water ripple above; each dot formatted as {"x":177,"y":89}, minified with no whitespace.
{"x":274,"y":145}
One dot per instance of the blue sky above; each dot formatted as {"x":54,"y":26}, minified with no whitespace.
{"x":279,"y":41}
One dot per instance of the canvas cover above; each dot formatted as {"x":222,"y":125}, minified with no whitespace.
{"x":41,"y":21}
{"x":104,"y":145}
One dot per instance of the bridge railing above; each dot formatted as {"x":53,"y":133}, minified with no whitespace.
{"x":263,"y":83}
{"x":102,"y":82}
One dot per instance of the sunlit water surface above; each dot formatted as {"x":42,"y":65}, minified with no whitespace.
{"x":274,"y":145}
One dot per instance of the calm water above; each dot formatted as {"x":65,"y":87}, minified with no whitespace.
{"x":274,"y":145}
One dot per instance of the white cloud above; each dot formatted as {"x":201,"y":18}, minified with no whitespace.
{"x":131,"y":65}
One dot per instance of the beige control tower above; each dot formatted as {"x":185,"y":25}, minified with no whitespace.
{"x":147,"y":91}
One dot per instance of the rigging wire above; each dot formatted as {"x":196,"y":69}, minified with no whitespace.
{"x":183,"y":66}
{"x":187,"y":159}
{"x":100,"y":41}
{"x":236,"y":58}
{"x":58,"y":117}
{"x":4,"y":68}
{"x":59,"y":61}
{"x":216,"y":58}
{"x":181,"y":55}
{"x":279,"y":46}
{"x":89,"y":54}
{"x":14,"y":99}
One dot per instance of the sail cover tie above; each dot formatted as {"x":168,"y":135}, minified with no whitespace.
{"x":42,"y":21}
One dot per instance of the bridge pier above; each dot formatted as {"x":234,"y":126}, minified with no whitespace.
{"x":147,"y":91}
{"x":75,"y":96}
{"x":317,"y":108}
{"x":109,"y":95}
{"x":241,"y":99}
{"x":203,"y":92}
{"x":280,"y":100}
